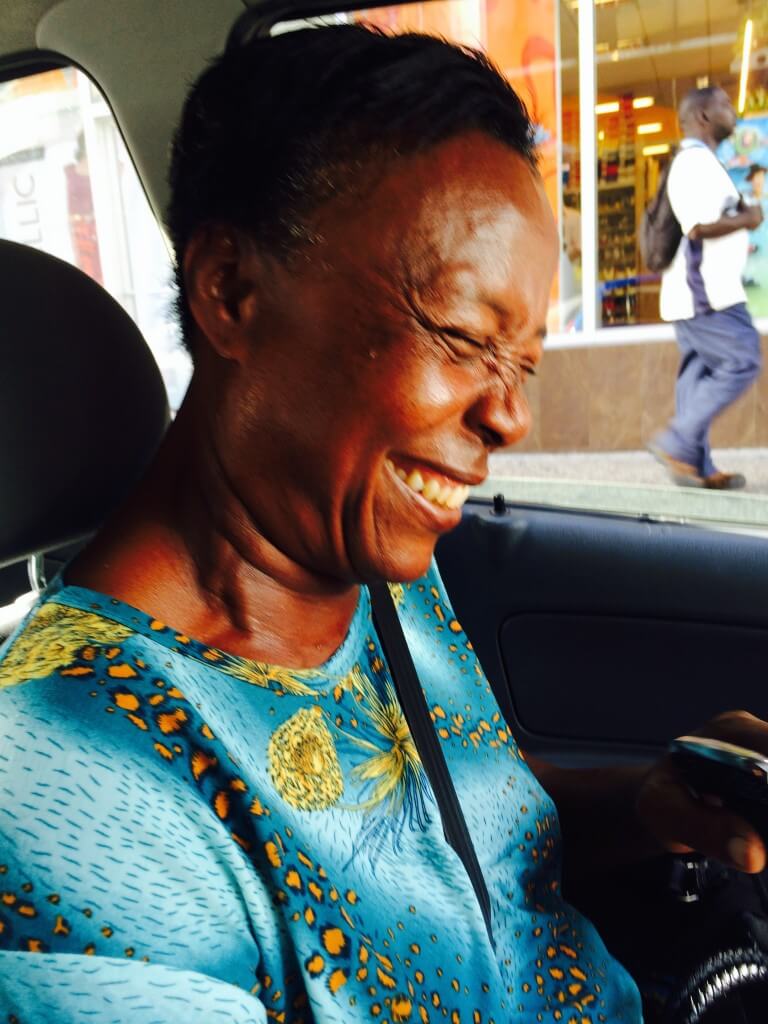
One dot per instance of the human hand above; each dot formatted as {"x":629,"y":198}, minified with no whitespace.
{"x":753,"y":216}
{"x":682,"y":822}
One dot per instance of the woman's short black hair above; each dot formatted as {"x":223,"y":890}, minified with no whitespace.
{"x":276,"y":126}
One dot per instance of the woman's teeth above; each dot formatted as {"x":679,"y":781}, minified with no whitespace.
{"x":435,"y":491}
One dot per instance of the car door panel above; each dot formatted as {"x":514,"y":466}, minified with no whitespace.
{"x":604,"y":637}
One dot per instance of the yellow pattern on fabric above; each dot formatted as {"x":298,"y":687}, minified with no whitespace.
{"x":52,"y":640}
{"x":268,"y":676}
{"x":390,"y":769}
{"x":303,"y":762}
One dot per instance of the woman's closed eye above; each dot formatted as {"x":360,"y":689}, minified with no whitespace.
{"x":524,"y":368}
{"x":456,"y":334}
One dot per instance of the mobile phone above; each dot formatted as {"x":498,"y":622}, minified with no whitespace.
{"x":737,"y":775}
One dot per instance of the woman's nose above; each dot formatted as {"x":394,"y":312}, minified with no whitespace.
{"x":501,"y":416}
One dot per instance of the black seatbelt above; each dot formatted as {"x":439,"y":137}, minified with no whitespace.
{"x":411,"y":695}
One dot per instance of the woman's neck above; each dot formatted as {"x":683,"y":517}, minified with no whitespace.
{"x":183,"y":549}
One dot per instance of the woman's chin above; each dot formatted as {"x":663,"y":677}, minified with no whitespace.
{"x":400,"y":565}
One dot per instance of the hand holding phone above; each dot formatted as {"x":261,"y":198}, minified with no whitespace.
{"x":737,"y":775}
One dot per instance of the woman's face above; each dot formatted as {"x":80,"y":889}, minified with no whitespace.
{"x":384,"y":366}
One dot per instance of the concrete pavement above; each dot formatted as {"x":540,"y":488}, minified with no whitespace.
{"x":633,"y":483}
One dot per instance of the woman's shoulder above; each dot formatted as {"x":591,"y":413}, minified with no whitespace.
{"x":51,"y":638}
{"x":92,"y":709}
{"x":93,"y":678}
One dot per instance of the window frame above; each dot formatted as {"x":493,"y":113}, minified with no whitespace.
{"x":27,"y":64}
{"x":33,"y":62}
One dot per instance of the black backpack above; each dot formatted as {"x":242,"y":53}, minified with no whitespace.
{"x":660,"y":230}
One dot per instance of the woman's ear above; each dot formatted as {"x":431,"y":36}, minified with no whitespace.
{"x":221,"y":281}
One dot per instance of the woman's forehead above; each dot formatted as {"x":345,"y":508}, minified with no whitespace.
{"x":468,"y":201}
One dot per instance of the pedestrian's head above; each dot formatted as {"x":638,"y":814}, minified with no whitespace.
{"x":707,"y":114}
{"x":365,"y":253}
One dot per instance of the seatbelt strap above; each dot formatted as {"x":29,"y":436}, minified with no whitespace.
{"x":411,"y":696}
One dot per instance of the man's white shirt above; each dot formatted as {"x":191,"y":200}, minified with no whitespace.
{"x":706,"y":276}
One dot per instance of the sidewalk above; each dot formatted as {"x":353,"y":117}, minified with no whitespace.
{"x":625,"y":467}
{"x":632,"y":483}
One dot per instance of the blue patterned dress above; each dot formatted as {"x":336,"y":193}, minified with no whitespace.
{"x":188,"y":836}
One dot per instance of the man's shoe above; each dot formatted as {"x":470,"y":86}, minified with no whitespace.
{"x":682,"y":473}
{"x":725,"y":481}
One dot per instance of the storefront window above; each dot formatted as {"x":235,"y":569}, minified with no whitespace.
{"x":649,"y":55}
{"x":746,"y":157}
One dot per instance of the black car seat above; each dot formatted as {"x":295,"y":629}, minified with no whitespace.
{"x":82,"y":405}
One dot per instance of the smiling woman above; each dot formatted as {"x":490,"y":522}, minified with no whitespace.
{"x":429,"y":237}
{"x":406,"y":273}
{"x":237,"y":823}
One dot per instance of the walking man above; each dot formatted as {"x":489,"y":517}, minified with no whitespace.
{"x":703,"y":295}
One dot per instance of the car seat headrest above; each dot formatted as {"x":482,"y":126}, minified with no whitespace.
{"x":82,"y":403}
